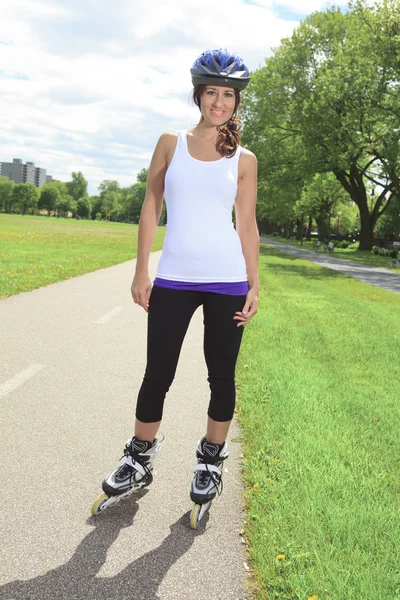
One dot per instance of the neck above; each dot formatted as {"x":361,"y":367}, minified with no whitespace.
{"x":206,"y":131}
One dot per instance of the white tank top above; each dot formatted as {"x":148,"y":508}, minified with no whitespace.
{"x":201,"y":243}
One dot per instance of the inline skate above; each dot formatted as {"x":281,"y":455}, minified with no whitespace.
{"x":134,"y":474}
{"x":207,"y":481}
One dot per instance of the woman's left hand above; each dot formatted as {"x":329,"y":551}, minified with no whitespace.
{"x":250,"y":308}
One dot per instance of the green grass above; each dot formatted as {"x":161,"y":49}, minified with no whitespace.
{"x":353,"y":254}
{"x":318,"y":401}
{"x":37,"y":251}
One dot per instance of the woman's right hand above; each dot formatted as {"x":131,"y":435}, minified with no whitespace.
{"x":141,"y":290}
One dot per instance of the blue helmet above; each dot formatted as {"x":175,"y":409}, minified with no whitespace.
{"x":220,"y":67}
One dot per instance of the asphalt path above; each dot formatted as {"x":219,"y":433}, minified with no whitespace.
{"x":72,"y":360}
{"x":377,"y":276}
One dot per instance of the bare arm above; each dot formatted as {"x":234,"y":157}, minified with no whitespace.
{"x":246,"y":226}
{"x":245,"y":210}
{"x":149,"y":218}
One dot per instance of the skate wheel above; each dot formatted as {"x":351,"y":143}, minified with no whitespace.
{"x":195,"y":516}
{"x":99,"y":504}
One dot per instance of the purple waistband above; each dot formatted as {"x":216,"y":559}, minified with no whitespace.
{"x":236,"y":288}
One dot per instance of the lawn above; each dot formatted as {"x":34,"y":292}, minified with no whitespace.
{"x":317,"y":381}
{"x":37,"y":251}
{"x":318,"y":401}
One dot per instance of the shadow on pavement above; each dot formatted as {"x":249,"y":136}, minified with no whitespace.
{"x":76,"y":580}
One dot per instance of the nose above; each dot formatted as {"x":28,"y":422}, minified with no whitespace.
{"x":218,"y":100}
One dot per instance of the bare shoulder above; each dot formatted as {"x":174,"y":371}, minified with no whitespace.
{"x":247,"y":164}
{"x":168,"y":139}
{"x":248,"y":157}
{"x":167,"y":143}
{"x":169,"y":136}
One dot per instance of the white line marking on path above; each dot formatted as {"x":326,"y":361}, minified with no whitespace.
{"x":19,"y":379}
{"x":109,"y":315}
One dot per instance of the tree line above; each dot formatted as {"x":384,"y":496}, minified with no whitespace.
{"x":322,"y":115}
{"x":63,"y":199}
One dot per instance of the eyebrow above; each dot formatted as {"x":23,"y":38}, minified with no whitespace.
{"x":210,"y":87}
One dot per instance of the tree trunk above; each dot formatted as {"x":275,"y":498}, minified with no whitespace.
{"x":323,"y":229}
{"x":366,"y":230}
{"x":353,"y":183}
{"x":299,"y":230}
{"x":308,"y":236}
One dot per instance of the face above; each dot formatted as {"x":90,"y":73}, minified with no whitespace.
{"x":217,"y":104}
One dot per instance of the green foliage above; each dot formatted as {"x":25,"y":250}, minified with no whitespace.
{"x":77,"y":188}
{"x":26,"y":197}
{"x":133,"y":198}
{"x":389,"y":223}
{"x":6,"y":194}
{"x":375,"y":250}
{"x":142,"y":176}
{"x":96,"y":204}
{"x":110,"y":194}
{"x":49,"y":196}
{"x":327,"y":101}
{"x":83,"y":208}
{"x":393,"y":253}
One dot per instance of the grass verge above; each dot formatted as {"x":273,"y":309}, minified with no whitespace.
{"x":37,"y":251}
{"x":318,"y":403}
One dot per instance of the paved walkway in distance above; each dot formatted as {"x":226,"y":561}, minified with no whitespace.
{"x":377,"y":276}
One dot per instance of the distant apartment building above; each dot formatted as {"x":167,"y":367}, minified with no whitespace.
{"x":24,"y":173}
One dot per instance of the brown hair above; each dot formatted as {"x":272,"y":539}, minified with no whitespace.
{"x":229,"y":133}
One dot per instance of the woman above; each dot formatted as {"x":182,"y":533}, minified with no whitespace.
{"x":202,"y":172}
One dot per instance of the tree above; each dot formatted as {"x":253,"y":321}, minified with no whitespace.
{"x":26,"y":196}
{"x":331,"y":91}
{"x":389,"y":224}
{"x":65,"y":204}
{"x":6,"y":194}
{"x":142,"y":176}
{"x":320,"y":200}
{"x":110,"y":194}
{"x":49,"y":197}
{"x":133,"y":201}
{"x":77,"y":188}
{"x":83,"y":208}
{"x":96,"y":207}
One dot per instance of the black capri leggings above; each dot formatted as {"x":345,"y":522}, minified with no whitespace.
{"x":170,"y":312}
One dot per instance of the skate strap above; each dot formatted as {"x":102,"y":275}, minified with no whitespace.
{"x":207,"y":467}
{"x":136,"y":465}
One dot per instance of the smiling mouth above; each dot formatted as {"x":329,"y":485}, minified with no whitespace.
{"x":219,"y":113}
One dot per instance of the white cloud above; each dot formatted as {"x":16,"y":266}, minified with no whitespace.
{"x":302,"y":7}
{"x":91,"y":86}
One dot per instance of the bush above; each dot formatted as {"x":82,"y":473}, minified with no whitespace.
{"x":393,"y":253}
{"x":343,"y":244}
{"x":275,"y":234}
{"x":375,"y":249}
{"x":383,"y":252}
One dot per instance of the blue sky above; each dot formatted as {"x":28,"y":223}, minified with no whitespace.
{"x":91,"y":86}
